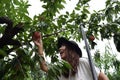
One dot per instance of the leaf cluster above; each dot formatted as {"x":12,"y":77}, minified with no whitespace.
{"x":104,"y":23}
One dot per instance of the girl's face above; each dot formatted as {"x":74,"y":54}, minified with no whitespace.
{"x":62,"y":51}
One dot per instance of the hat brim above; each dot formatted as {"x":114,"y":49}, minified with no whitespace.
{"x":72,"y":44}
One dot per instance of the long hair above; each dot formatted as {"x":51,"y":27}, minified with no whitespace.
{"x":73,"y":59}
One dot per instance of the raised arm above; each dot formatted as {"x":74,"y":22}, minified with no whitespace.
{"x":102,"y":76}
{"x":37,"y":38}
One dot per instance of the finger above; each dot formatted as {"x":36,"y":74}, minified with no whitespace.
{"x":40,"y":36}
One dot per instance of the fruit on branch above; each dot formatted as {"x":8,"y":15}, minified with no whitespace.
{"x":91,"y":38}
{"x":36,"y":35}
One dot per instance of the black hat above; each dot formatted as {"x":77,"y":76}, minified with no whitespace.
{"x":73,"y":44}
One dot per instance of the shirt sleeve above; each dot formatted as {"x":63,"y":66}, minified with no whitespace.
{"x":97,"y":70}
{"x":86,"y":62}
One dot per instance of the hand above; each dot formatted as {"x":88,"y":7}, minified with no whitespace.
{"x":37,"y":39}
{"x":38,"y":42}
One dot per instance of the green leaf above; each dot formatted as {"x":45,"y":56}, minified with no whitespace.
{"x":2,"y":53}
{"x":16,"y":2}
{"x":86,"y":10}
{"x":77,"y":8}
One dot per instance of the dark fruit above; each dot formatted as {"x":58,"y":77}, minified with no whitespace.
{"x":36,"y":35}
{"x":91,"y":38}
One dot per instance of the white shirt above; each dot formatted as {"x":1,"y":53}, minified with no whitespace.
{"x":84,"y":71}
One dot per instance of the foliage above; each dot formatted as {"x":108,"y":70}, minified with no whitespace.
{"x":108,"y":63}
{"x":23,"y":62}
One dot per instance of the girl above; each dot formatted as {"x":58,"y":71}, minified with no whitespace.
{"x":70,"y":52}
